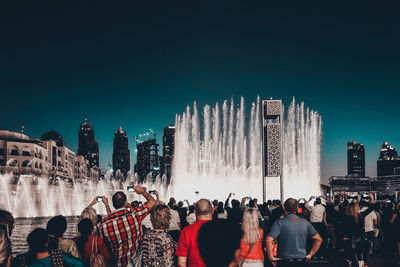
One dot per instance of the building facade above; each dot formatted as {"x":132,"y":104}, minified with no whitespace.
{"x":168,"y":151}
{"x":148,"y":161}
{"x":87,"y":145}
{"x":121,"y":153}
{"x":388,"y":162}
{"x":22,"y":155}
{"x":355,"y":159}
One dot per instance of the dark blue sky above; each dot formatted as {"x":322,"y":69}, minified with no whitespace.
{"x":138,"y":64}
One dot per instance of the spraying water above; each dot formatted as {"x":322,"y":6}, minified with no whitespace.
{"x":215,"y":154}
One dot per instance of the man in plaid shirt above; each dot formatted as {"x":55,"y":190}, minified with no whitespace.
{"x":121,"y":229}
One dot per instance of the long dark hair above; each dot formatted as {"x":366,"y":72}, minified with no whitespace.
{"x":36,"y":240}
{"x":85,"y":228}
{"x":56,"y":228}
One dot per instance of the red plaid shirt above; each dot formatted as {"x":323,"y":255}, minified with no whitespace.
{"x":122,"y":231}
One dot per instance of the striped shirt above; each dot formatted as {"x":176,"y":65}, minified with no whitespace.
{"x":121,"y":230}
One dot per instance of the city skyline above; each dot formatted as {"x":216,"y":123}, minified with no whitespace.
{"x":116,"y":67}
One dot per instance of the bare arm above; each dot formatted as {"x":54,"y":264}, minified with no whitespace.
{"x":182,"y":261}
{"x":317,"y":240}
{"x":271,"y":256}
{"x":142,"y":191}
{"x":105,"y":201}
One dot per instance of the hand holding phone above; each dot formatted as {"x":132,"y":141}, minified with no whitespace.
{"x":131,"y":189}
{"x":99,"y":198}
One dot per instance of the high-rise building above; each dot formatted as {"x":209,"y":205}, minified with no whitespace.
{"x":388,"y":162}
{"x":121,"y":153}
{"x":87,"y":145}
{"x":148,"y":161}
{"x":168,"y":151}
{"x":355,"y":159}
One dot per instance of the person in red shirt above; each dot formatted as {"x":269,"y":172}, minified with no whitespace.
{"x":88,"y":243}
{"x":188,"y":250}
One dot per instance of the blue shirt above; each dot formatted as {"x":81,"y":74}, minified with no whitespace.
{"x":292,"y":233}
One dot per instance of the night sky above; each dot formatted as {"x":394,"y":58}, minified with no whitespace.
{"x":136,"y":65}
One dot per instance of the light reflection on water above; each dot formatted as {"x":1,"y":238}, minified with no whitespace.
{"x":23,"y":226}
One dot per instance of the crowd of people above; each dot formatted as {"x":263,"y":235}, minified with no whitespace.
{"x":220,"y":234}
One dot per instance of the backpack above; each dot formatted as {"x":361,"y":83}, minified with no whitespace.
{"x":96,"y":259}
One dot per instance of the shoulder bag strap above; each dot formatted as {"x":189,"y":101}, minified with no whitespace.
{"x":248,"y":252}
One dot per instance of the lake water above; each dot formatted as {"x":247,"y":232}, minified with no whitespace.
{"x":23,"y":226}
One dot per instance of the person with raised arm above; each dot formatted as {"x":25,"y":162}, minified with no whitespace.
{"x":122,"y":228}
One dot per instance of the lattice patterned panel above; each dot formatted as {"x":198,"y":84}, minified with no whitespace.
{"x":274,"y":107}
{"x":273,"y":149}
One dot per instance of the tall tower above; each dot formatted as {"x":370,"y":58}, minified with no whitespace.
{"x":121,"y":153}
{"x":388,"y":161}
{"x":148,"y":161}
{"x":355,"y":159}
{"x":272,"y":119}
{"x":87,"y":145}
{"x":168,"y":151}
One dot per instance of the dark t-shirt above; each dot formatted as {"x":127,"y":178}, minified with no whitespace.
{"x":292,"y":233}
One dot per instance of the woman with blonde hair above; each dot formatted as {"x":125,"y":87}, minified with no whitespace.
{"x":251,"y":252}
{"x":157,"y":246}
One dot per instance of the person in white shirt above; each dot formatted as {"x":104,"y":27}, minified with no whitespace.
{"x":318,"y":220}
{"x":174,"y":229}
{"x":370,"y":222}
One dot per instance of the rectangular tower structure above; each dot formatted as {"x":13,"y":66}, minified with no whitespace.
{"x":272,"y":119}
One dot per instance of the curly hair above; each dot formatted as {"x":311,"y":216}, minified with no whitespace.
{"x":160,"y":217}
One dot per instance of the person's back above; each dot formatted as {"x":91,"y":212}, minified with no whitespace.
{"x":292,"y":235}
{"x":188,"y":250}
{"x":121,"y":229}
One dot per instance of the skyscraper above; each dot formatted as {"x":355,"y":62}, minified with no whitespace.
{"x":87,"y":145}
{"x":168,"y":151}
{"x":388,"y":162}
{"x":355,"y":159}
{"x":148,"y":161}
{"x":121,"y":153}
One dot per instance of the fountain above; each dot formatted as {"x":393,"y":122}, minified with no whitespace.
{"x":222,"y":154}
{"x":214,"y":156}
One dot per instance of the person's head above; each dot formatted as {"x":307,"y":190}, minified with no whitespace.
{"x":235,"y":203}
{"x":191,"y":209}
{"x":56,"y":227}
{"x":203,"y":208}
{"x":220,"y":208}
{"x":7,"y":220}
{"x":215,"y":203}
{"x":252,"y":204}
{"x":290,"y":206}
{"x":250,"y":226}
{"x":180,"y":204}
{"x":85,"y":227}
{"x":352,"y":211}
{"x":160,"y":216}
{"x":135,"y":204}
{"x":317,"y":201}
{"x":38,"y":240}
{"x":119,"y":200}
{"x":172,"y":202}
{"x":89,"y":213}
